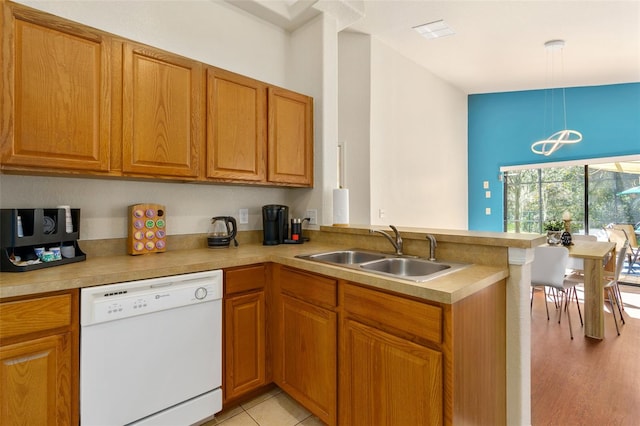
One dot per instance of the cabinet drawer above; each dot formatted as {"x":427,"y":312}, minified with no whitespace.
{"x":29,"y":316}
{"x":412,"y":317}
{"x":243,"y":279}
{"x":310,"y":287}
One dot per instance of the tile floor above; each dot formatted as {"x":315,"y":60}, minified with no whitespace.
{"x":274,"y":408}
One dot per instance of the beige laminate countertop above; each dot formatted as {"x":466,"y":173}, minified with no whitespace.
{"x":94,"y":271}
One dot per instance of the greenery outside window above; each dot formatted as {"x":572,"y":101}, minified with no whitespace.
{"x":590,"y":191}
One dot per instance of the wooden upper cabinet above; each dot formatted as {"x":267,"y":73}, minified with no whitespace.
{"x":76,"y":100}
{"x":162,"y":127}
{"x":290,"y":141}
{"x":56,"y":92}
{"x":236,"y":127}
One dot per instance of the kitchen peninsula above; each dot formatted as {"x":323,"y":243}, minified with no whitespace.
{"x":495,"y":288}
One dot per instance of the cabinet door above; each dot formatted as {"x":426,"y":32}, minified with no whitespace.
{"x":290,"y":145}
{"x":35,"y":382}
{"x":236,"y":127}
{"x":245,"y":353}
{"x":307,"y":356}
{"x":162,"y":124}
{"x":56,"y":96}
{"x":386,"y":380}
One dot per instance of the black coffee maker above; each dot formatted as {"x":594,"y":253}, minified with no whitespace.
{"x":275,"y":224}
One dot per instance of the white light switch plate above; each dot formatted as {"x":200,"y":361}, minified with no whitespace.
{"x":312,"y":214}
{"x":244,"y":216}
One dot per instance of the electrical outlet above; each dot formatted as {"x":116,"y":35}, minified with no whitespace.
{"x":381,"y":213}
{"x":244,"y":216}
{"x":312,"y":214}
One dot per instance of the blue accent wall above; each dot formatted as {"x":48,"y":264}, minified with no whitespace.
{"x":502,"y":127}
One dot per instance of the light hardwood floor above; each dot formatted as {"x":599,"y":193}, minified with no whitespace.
{"x":584,"y":381}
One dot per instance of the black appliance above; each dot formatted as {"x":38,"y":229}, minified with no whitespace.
{"x":275,"y":224}
{"x":296,"y":231}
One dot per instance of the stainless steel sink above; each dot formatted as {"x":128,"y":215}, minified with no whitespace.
{"x":345,"y":257}
{"x":402,"y":267}
{"x":405,"y":267}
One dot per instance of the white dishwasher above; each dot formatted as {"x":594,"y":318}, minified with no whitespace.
{"x":151,"y":351}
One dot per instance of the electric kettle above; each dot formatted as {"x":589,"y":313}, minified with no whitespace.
{"x":223,"y":229}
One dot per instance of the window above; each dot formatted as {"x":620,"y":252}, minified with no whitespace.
{"x":592,"y":192}
{"x":606,"y":203}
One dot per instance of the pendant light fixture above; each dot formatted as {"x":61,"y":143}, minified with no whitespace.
{"x":563,"y":137}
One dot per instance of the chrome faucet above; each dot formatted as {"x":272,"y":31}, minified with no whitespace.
{"x":397,"y":243}
{"x":432,"y":247}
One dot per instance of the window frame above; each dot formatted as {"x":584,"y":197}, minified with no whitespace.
{"x":585,"y":163}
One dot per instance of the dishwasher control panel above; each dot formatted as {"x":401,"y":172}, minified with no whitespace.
{"x":117,"y":301}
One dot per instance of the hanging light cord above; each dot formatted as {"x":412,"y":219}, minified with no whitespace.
{"x":563,"y":137}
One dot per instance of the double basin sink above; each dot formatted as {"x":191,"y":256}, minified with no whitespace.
{"x":403,"y":267}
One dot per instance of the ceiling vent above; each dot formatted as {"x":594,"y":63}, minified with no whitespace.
{"x":435,"y":29}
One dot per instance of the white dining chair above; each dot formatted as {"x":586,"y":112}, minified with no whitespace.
{"x":633,"y":251}
{"x":548,"y":270}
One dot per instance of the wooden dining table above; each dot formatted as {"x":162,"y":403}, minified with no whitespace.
{"x":594,"y":254}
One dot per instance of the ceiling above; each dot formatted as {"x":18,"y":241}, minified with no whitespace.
{"x":498,"y":45}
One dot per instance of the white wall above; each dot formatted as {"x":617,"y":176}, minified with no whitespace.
{"x":313,"y":70}
{"x":212,"y":32}
{"x":418,"y":169}
{"x":104,"y":203}
{"x":354,"y":121}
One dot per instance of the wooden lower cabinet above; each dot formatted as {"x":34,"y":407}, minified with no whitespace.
{"x":308,"y":351}
{"x":351,"y":354}
{"x":305,"y":355}
{"x":245,"y":353}
{"x":34,"y":381}
{"x":356,"y":355}
{"x":39,"y":360}
{"x":391,"y":360}
{"x":405,"y":361}
{"x":387,"y":380}
{"x":475,"y":358}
